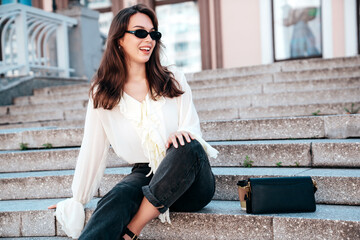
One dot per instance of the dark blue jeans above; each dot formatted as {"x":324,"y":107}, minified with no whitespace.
{"x":183,"y":182}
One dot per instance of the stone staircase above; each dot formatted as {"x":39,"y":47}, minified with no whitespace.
{"x":283,"y":119}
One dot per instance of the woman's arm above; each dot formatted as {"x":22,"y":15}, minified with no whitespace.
{"x":188,"y":118}
{"x":89,"y":169}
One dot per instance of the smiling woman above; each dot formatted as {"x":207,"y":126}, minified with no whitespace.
{"x":123,"y":50}
{"x":145,"y":112}
{"x":132,"y":43}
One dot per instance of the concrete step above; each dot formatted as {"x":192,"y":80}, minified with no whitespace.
{"x":52,"y":115}
{"x":31,"y":100}
{"x":268,"y":88}
{"x":291,"y":153}
{"x":276,"y":111}
{"x":212,"y":91}
{"x":336,"y":126}
{"x":311,"y":85}
{"x":207,"y":105}
{"x":276,"y":77}
{"x":250,"y":85}
{"x":44,"y":124}
{"x":318,"y":63}
{"x":25,"y":85}
{"x":317,"y":74}
{"x":336,"y":186}
{"x":286,"y":66}
{"x":60,"y":90}
{"x":295,"y":110}
{"x":32,"y":117}
{"x":218,"y":220}
{"x":42,"y":107}
{"x":48,"y":159}
{"x":75,"y":117}
{"x":279,"y":99}
{"x":234,"y":72}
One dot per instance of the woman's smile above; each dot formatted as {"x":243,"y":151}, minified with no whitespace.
{"x":146,"y":49}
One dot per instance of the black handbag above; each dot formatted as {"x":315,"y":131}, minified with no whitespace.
{"x":279,"y":195}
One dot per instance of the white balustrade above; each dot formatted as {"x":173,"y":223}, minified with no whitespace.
{"x":27,"y":34}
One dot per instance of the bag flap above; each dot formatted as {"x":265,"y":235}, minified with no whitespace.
{"x":284,"y":194}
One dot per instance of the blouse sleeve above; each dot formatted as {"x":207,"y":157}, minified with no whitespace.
{"x":188,"y":117}
{"x":89,"y":170}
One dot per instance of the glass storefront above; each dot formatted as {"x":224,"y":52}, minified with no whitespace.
{"x":180,"y":26}
{"x":297,"y":29}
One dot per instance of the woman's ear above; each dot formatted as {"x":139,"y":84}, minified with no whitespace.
{"x":120,"y":41}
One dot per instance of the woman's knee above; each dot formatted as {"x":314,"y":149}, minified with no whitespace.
{"x":193,"y":148}
{"x":189,"y":155}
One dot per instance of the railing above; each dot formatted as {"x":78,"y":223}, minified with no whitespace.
{"x":29,"y":37}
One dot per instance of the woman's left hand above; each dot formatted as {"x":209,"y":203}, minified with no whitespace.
{"x":179,"y":135}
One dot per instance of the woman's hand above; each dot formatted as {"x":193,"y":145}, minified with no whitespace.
{"x":178,"y":135}
{"x":52,"y":206}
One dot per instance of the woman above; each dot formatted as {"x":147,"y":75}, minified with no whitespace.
{"x":145,"y":111}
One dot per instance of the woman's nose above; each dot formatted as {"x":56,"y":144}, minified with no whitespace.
{"x":148,"y":38}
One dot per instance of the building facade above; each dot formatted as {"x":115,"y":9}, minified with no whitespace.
{"x":210,"y":34}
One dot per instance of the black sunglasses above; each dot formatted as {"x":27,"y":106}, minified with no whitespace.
{"x":141,"y":33}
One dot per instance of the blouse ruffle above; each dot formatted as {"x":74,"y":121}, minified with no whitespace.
{"x":144,"y":117}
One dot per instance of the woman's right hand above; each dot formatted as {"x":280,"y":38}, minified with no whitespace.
{"x":179,"y":135}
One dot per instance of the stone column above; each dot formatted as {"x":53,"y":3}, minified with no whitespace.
{"x":84,"y":41}
{"x":116,"y":6}
{"x":150,"y":3}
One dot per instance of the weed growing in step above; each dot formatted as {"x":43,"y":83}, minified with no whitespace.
{"x":297,"y":164}
{"x":279,"y":164}
{"x":23,"y":146}
{"x":247,"y":162}
{"x":47,"y":145}
{"x":352,"y":110}
{"x":316,"y":113}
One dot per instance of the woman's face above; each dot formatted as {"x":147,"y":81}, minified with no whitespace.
{"x":138,"y":50}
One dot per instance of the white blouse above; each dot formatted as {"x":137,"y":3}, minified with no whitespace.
{"x":128,"y":127}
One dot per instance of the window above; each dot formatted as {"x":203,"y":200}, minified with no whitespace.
{"x":181,"y":46}
{"x":96,"y":4}
{"x":297,"y":29}
{"x":104,"y":22}
{"x":179,"y":24}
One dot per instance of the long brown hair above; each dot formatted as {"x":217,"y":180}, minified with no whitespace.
{"x":109,"y":81}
